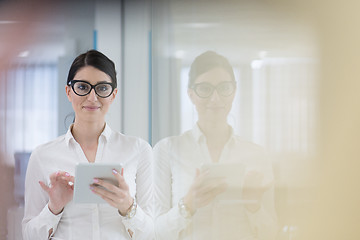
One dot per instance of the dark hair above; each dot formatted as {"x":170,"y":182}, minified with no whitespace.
{"x":206,"y":62}
{"x":95,"y":59}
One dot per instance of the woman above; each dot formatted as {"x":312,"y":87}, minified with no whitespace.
{"x":210,"y":184}
{"x":49,"y":210}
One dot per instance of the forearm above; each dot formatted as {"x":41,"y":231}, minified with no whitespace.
{"x":41,"y":226}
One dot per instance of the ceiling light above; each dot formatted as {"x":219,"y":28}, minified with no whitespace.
{"x":179,"y":54}
{"x":23,"y":54}
{"x":7,"y":22}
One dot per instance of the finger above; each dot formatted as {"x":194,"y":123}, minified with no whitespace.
{"x":110,"y":201}
{"x":205,"y":199}
{"x":212,"y":181}
{"x":116,"y":203}
{"x":44,"y":186}
{"x":197,"y":172}
{"x":56,"y":177}
{"x":98,"y":191}
{"x":66,"y":181}
{"x":103,"y":193}
{"x":214,"y":188}
{"x":216,"y":191}
{"x":121,"y":180}
{"x":67,"y":176}
{"x":62,"y":174}
{"x":208,"y":186}
{"x":106,"y":195}
{"x":71,"y":180}
{"x":200,"y":178}
{"x":107,"y":185}
{"x":53,"y":176}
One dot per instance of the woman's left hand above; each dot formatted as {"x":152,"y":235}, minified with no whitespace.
{"x":254,"y":189}
{"x":117,"y":196}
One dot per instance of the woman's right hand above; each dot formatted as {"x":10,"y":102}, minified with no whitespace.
{"x":60,"y":190}
{"x":203,"y":190}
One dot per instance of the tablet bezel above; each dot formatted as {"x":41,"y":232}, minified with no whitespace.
{"x":84,"y":175}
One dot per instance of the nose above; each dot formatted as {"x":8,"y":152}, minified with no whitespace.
{"x":214,"y":96}
{"x":92,"y":96}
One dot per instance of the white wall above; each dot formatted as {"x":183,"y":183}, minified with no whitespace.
{"x":77,"y":38}
{"x":135,"y":88}
{"x":108,"y":28}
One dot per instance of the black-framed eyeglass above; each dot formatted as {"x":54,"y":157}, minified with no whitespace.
{"x":205,"y":90}
{"x":82,"y":88}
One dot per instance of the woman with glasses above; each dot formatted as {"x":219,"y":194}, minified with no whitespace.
{"x":50,"y":212}
{"x":209,"y":183}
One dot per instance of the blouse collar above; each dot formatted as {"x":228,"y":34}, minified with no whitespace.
{"x":106,"y":133}
{"x":199,"y":135}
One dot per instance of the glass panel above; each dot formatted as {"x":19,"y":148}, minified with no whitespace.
{"x":273,"y":54}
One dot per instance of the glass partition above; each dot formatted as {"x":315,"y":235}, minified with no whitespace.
{"x":274,"y":55}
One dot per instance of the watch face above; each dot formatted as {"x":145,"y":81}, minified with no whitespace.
{"x":183,"y":210}
{"x":131,"y":213}
{"x":132,"y":210}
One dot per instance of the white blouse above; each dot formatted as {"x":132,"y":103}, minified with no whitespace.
{"x":175,"y":162}
{"x":89,"y":221}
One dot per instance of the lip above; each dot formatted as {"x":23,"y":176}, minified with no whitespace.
{"x":215,"y":107}
{"x":91,"y":108}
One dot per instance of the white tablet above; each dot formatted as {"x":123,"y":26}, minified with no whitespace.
{"x":84,"y":175}
{"x":233,"y":174}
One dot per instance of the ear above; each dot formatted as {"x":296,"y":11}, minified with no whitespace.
{"x":67,"y":90}
{"x":190,"y":93}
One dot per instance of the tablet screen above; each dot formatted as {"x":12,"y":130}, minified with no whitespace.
{"x":84,"y":175}
{"x":232,"y":173}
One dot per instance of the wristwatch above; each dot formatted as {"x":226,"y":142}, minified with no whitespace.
{"x":184,"y":210}
{"x":132,"y":211}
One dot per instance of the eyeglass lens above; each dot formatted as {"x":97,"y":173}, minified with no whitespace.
{"x":101,"y":89}
{"x":206,"y":90}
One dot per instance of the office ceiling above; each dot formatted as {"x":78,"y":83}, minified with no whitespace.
{"x":240,"y":30}
{"x":41,"y":31}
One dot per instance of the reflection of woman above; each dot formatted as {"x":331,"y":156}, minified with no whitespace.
{"x":188,"y":204}
{"x":49,"y":210}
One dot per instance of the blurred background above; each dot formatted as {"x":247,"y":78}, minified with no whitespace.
{"x":296,"y":64}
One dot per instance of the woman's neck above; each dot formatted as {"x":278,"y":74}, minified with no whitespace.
{"x":215,"y":130}
{"x":217,"y":136}
{"x":86,"y":133}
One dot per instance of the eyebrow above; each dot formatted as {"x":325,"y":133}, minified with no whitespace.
{"x":90,"y":83}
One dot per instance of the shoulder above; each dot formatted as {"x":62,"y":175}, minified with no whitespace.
{"x":53,"y":146}
{"x":252,"y":154}
{"x":240,"y":143}
{"x":129,"y":141}
{"x":42,"y":153}
{"x":170,"y":142}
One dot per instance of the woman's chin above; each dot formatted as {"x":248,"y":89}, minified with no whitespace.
{"x":215,"y":116}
